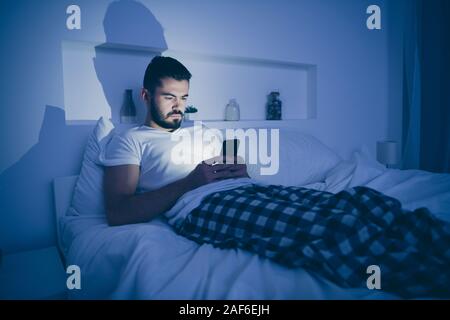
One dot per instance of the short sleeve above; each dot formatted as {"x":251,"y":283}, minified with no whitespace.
{"x":121,"y":150}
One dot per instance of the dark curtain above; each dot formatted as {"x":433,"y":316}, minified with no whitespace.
{"x":426,"y":90}
{"x":435,"y":70}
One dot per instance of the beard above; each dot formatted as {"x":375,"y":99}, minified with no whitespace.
{"x":163,"y":120}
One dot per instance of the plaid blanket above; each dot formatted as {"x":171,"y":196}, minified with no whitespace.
{"x":335,"y":235}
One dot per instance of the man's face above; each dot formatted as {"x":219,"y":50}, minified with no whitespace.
{"x":168,"y":103}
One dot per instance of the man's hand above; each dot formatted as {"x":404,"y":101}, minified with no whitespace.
{"x":214,"y":169}
{"x":123,"y":206}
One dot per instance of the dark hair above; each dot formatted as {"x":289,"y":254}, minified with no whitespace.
{"x":164,"y":67}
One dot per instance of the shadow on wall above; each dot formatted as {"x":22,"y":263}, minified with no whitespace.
{"x":126,"y":22}
{"x":26,"y":194}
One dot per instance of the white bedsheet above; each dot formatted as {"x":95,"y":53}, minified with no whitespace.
{"x":150,"y":261}
{"x":414,"y":188}
{"x":190,"y":200}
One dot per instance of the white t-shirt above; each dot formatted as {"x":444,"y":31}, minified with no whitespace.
{"x":163,"y":157}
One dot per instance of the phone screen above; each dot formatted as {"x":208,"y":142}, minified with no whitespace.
{"x":230,"y":147}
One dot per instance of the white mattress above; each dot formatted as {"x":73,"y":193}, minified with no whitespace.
{"x":150,"y":261}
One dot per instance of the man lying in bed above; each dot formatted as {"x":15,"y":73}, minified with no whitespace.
{"x":336,"y":235}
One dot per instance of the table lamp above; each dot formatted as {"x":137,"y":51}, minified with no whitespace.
{"x":387,"y":153}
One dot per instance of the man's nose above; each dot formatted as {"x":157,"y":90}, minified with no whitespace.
{"x":176,"y":105}
{"x":176,"y":109}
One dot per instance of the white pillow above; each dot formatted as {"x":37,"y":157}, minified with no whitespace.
{"x":303,"y":160}
{"x":367,"y":168}
{"x":88,"y":193}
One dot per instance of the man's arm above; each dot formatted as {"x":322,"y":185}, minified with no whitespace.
{"x":123,"y":206}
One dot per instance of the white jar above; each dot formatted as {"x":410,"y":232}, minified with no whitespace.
{"x":232,"y":112}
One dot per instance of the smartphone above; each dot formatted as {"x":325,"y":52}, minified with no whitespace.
{"x":230,"y":147}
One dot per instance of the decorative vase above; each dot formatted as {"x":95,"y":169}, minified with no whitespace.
{"x":274,"y":105}
{"x":128,"y":110}
{"x":232,"y":111}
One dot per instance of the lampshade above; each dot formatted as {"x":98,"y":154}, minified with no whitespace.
{"x":387,"y":152}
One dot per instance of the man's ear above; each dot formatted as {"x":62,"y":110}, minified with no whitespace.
{"x":145,"y":95}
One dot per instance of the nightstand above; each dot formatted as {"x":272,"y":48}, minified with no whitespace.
{"x":37,"y":274}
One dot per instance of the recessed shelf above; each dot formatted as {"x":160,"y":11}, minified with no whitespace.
{"x":96,"y":74}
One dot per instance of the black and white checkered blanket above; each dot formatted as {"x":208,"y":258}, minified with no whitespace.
{"x":335,"y":235}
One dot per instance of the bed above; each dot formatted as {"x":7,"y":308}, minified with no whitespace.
{"x":150,"y":261}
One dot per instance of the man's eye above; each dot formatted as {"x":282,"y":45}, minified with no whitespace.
{"x":168,"y":98}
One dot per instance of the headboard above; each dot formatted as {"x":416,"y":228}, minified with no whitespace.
{"x":62,"y":189}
